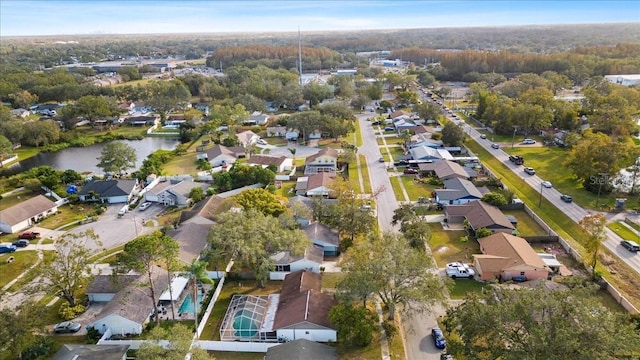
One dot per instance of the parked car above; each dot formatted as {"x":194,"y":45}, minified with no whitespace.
{"x":528,"y":141}
{"x":530,"y":170}
{"x":7,"y":248}
{"x":460,"y":272}
{"x":483,"y":136}
{"x":566,"y":198}
{"x":66,"y":327}
{"x":381,"y":159}
{"x":546,"y":184}
{"x":377,"y":122}
{"x":401,"y":163}
{"x":20,"y":243}
{"x":495,"y":146}
{"x":389,"y":128}
{"x":144,"y":206}
{"x":262,"y":142}
{"x":410,"y":171}
{"x":630,"y":245}
{"x":438,"y":338}
{"x":29,"y":235}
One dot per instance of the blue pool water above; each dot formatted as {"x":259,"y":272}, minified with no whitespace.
{"x":187,"y":304}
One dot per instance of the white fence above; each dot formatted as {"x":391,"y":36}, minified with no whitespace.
{"x":236,"y":346}
{"x":212,"y":303}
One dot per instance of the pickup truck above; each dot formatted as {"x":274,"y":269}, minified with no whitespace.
{"x":29,"y":235}
{"x":460,"y":272}
{"x":518,"y":160}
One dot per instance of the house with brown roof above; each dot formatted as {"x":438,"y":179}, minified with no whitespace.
{"x":220,"y":155}
{"x":204,"y":212}
{"x":326,"y":160}
{"x":247,"y":138}
{"x":192,"y":239}
{"x":303,"y":310}
{"x":315,"y":184}
{"x":478,"y":215}
{"x":27,"y":213}
{"x":281,"y":163}
{"x":508,"y":257}
{"x":445,"y":170}
{"x":287,"y":262}
{"x":130,"y":309}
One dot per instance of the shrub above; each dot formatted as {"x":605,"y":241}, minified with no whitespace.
{"x":390,"y":328}
{"x":67,"y":312}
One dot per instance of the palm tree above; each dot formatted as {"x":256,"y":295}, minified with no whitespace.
{"x":197,"y":271}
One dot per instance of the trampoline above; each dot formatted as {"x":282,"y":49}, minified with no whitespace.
{"x":244,"y":324}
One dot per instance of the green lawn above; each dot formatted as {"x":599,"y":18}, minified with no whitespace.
{"x":416,"y":189}
{"x":461,"y":287}
{"x":17,"y":197}
{"x":558,"y":221}
{"x":228,"y":355}
{"x":30,"y":275}
{"x":624,"y":232}
{"x":65,"y":215}
{"x":447,"y":247}
{"x":397,"y":190}
{"x":330,"y":279}
{"x":526,"y":225}
{"x":549,"y":165}
{"x":9,"y":271}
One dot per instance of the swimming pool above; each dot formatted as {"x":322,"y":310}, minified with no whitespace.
{"x":187,"y":304}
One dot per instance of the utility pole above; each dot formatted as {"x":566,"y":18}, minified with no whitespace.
{"x":513,"y":139}
{"x":540,"y":201}
{"x":300,"y":56}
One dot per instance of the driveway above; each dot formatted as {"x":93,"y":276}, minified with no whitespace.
{"x":302,"y":151}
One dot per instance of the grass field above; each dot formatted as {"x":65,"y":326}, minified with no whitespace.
{"x":526,"y":225}
{"x":416,"y":189}
{"x":9,"y":271}
{"x":563,"y":225}
{"x":624,"y":232}
{"x":461,"y":287}
{"x":331,"y":279}
{"x":549,"y":165}
{"x":447,"y":247}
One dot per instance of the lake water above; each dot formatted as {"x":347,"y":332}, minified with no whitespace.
{"x":85,"y":159}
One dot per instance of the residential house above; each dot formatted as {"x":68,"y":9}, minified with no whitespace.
{"x":426,"y":153}
{"x":292,"y":134}
{"x":192,"y":238}
{"x":175,"y":120}
{"x":204,"y":107}
{"x":281,"y":163}
{"x":258,"y":118}
{"x":315,"y":185}
{"x":92,"y":352}
{"x":478,"y":215}
{"x":173,"y":193}
{"x":445,"y":170}
{"x":130,"y":309}
{"x":141,"y":120}
{"x":104,"y":287}
{"x":109,"y":191}
{"x":457,"y":191}
{"x":286,"y":261}
{"x":204,"y":212}
{"x":326,"y":160}
{"x":127,"y":106}
{"x":400,"y":114}
{"x":23,"y":113}
{"x":301,"y":349}
{"x":303,"y":310}
{"x":247,"y":138}
{"x":508,"y":257}
{"x":221,"y":155}
{"x":27,"y":213}
{"x":141,"y":108}
{"x":402,"y":125}
{"x":424,"y":139}
{"x":325,"y":237}
{"x":277,"y":131}
{"x":315,"y":135}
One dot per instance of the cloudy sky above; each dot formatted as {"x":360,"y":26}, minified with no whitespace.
{"x":51,"y":17}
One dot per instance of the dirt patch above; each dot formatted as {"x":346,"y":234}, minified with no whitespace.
{"x":442,"y":249}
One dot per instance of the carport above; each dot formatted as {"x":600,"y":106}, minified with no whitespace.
{"x":177,"y":287}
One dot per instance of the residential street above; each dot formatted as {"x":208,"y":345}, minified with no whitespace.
{"x":416,"y":326}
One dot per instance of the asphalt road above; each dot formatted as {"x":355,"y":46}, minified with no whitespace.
{"x":416,"y":325}
{"x":572,"y":210}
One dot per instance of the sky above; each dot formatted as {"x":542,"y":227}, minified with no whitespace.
{"x":54,"y":17}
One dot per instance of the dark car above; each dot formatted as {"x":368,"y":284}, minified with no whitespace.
{"x":630,"y":245}
{"x":29,"y":235}
{"x":389,"y":128}
{"x":20,"y":243}
{"x":401,"y":163}
{"x":5,"y":248}
{"x":66,"y":327}
{"x":410,"y":171}
{"x":375,"y":123}
{"x":495,"y":146}
{"x":566,"y":198}
{"x":438,"y":338}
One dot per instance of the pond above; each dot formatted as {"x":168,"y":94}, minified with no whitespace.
{"x":85,"y":159}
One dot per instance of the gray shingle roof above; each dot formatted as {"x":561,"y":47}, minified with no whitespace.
{"x":26,"y":209}
{"x":109,"y":188}
{"x":192,"y":238}
{"x":301,"y":349}
{"x":91,"y":352}
{"x":109,"y":284}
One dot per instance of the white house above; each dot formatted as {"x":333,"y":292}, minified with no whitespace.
{"x":315,"y":184}
{"x":23,"y":113}
{"x":26,"y":213}
{"x":173,"y":193}
{"x":457,"y":191}
{"x":131,"y":307}
{"x":220,"y":155}
{"x":277,"y":131}
{"x":247,"y":138}
{"x":287,"y":262}
{"x":326,"y":160}
{"x":625,"y":80}
{"x":303,"y":310}
{"x":104,"y":287}
{"x":259,"y":118}
{"x":281,"y":163}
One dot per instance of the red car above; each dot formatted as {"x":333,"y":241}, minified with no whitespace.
{"x":29,"y":235}
{"x":410,"y":171}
